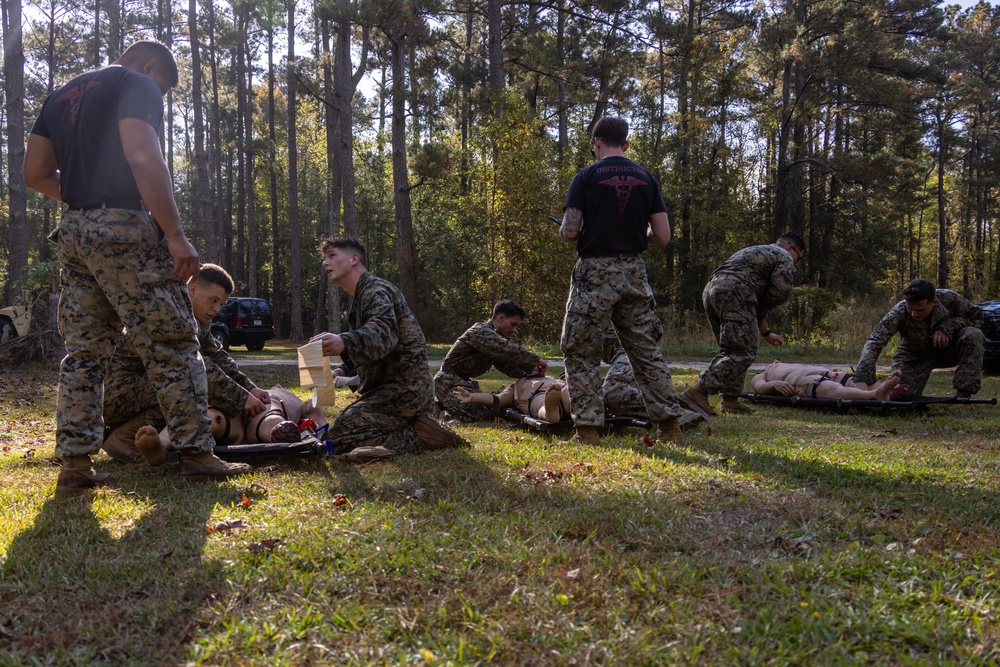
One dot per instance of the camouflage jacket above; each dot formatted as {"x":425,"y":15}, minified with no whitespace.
{"x":952,"y":314}
{"x":768,"y":271}
{"x":385,"y":345}
{"x":228,"y":386}
{"x":481,"y":347}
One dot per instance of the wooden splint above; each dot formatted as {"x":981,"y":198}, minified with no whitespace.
{"x":610,"y":423}
{"x":847,"y":404}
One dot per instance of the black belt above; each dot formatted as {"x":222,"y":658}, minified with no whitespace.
{"x":133,"y":203}
{"x":608,"y":255}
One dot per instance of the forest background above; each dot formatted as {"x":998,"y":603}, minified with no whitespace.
{"x":444,"y":133}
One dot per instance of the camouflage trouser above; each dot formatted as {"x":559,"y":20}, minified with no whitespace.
{"x":445,"y":384}
{"x":615,"y":291}
{"x":128,"y":395}
{"x":621,"y":397}
{"x":965,"y":352}
{"x":732,"y":312}
{"x":116,"y":271}
{"x":382,"y":417}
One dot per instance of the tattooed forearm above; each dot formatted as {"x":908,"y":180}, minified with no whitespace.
{"x":571,"y":224}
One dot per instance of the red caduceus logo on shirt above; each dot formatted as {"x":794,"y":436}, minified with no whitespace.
{"x":75,"y":97}
{"x":623,"y":186}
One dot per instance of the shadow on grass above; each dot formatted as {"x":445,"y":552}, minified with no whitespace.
{"x":73,"y":593}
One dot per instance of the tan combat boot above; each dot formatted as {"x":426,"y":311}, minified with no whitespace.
{"x":206,"y":465}
{"x":732,"y":405}
{"x":669,"y":431}
{"x":695,"y":398}
{"x":587,"y":435}
{"x":77,"y":475}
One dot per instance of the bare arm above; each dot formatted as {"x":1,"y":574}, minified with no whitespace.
{"x":41,"y":170}
{"x":571,"y":224}
{"x":142,"y":150}
{"x":659,"y":229}
{"x":477,"y":398}
{"x":762,"y":385}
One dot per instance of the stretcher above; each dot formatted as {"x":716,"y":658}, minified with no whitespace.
{"x":610,"y":423}
{"x":311,"y":444}
{"x":919,"y":404}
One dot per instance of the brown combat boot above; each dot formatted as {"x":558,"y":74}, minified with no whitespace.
{"x":587,"y":435}
{"x":732,"y":405}
{"x":669,"y":431}
{"x":77,"y":475}
{"x":695,"y":398}
{"x":432,"y":434}
{"x":206,"y":465}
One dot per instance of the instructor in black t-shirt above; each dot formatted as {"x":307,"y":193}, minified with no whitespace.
{"x":614,"y":209}
{"x":124,"y":258}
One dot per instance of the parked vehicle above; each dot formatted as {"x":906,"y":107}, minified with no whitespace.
{"x":14,"y":322}
{"x":991,"y":327}
{"x":244,"y":321}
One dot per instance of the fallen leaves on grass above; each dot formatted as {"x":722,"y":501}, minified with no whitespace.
{"x":708,"y":430}
{"x":419,"y":494}
{"x":264,"y":545}
{"x":885,"y":433}
{"x":890,"y":513}
{"x":227,"y":525}
{"x":571,"y":575}
{"x":649,"y":441}
{"x":340,"y":499}
{"x":544,"y":476}
{"x":246,"y":502}
{"x":798,"y":545}
{"x":28,"y":453}
{"x":271,"y":468}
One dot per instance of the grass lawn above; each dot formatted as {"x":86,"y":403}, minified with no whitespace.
{"x":786,"y":537}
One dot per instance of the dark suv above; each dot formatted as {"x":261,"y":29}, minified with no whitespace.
{"x":991,"y":327}
{"x":244,"y":321}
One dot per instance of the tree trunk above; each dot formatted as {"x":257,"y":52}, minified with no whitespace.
{"x":276,"y":301}
{"x":294,"y":230}
{"x":494,"y":9}
{"x":204,"y":186}
{"x":942,"y":277}
{"x":406,"y":250}
{"x":17,"y":196}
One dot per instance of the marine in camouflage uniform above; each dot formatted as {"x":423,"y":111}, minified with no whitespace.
{"x":916,"y":356}
{"x":622,"y":398}
{"x":613,"y":210}
{"x":618,"y":391}
{"x":737,"y":298}
{"x":115,"y":270}
{"x":472,"y":355}
{"x":385,"y":347}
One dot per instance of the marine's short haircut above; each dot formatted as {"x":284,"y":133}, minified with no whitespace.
{"x":509,"y":308}
{"x":919,"y":290}
{"x":792,"y":239}
{"x":213,"y":274}
{"x":611,"y":130}
{"x":345,"y":243}
{"x":150,"y":49}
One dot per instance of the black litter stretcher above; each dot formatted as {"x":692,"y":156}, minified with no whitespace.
{"x":307,"y":446}
{"x":610,"y":423}
{"x":849,"y":404}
